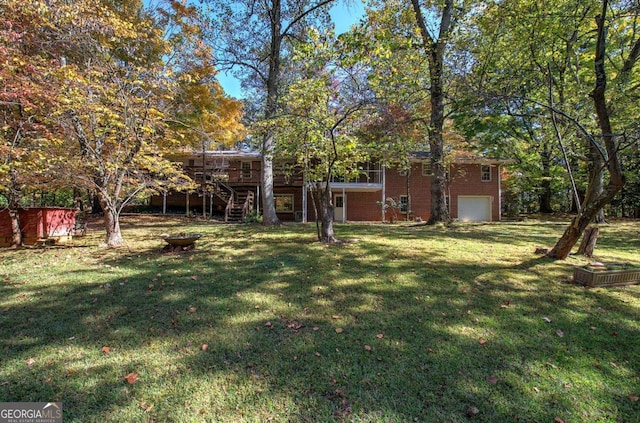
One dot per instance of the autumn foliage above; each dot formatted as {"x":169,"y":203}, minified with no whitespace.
{"x":94,"y":94}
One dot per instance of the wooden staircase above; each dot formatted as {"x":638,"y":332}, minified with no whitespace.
{"x":238,"y":206}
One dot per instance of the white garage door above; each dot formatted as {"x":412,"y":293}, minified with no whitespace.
{"x":474,"y":208}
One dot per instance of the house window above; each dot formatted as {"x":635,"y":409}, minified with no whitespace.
{"x":245,"y":170}
{"x":283,"y":202}
{"x":192,"y":163}
{"x":403,"y":203}
{"x":485,"y":173}
{"x":426,"y":169}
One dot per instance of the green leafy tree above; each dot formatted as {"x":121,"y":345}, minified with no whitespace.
{"x":534,"y":74}
{"x":322,"y":110}
{"x":411,"y":40}
{"x":608,"y":143}
{"x":254,"y":39}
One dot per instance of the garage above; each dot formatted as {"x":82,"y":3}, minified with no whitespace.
{"x":474,"y":208}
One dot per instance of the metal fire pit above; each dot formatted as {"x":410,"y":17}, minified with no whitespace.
{"x":182,"y":242}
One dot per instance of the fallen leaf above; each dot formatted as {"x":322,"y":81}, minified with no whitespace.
{"x":339,"y":330}
{"x":472,"y":411}
{"x":505,"y":304}
{"x":558,"y":420}
{"x":492,"y":380}
{"x":30,"y":362}
{"x":546,"y":319}
{"x":147,"y":407}
{"x":560,"y":333}
{"x":368,"y":347}
{"x":482,"y":341}
{"x":106,"y":349}
{"x":268,"y":324}
{"x":192,"y":309}
{"x":335,"y":317}
{"x":4,"y":383}
{"x":380,"y":336}
{"x":315,"y":328}
{"x":194,"y":278}
{"x":614,"y":365}
{"x":536,"y":389}
{"x":634,"y":398}
{"x":204,"y":347}
{"x":131,"y":378}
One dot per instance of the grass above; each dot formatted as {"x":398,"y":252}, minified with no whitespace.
{"x":402,"y":324}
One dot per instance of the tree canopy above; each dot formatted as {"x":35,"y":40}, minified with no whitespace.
{"x":124,"y":78}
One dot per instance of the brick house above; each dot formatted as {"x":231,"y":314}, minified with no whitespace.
{"x":229,"y":184}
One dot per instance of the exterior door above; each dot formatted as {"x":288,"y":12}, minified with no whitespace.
{"x":338,"y":207}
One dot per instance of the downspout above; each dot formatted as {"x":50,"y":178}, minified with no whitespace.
{"x":164,"y":202}
{"x":406,"y":215}
{"x":304,"y":200}
{"x":384,"y":189}
{"x":344,"y":206}
{"x":499,"y":192}
{"x":258,"y":199}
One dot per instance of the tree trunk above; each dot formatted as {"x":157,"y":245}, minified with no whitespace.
{"x":589,"y":240}
{"x":435,"y":49}
{"x":324,"y":207}
{"x":111,"y":223}
{"x":14,"y":203}
{"x":545,"y":185}
{"x":594,"y":202}
{"x":269,"y":216}
{"x":439,"y":211}
{"x":596,"y":178}
{"x":16,"y":233}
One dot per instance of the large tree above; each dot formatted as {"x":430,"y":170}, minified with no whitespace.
{"x":253,"y":39}
{"x":526,"y":56}
{"x":607,"y":142}
{"x":435,"y":47}
{"x":123,"y":75}
{"x":29,"y":93}
{"x":534,"y":68}
{"x":322,"y":109}
{"x":411,"y":39}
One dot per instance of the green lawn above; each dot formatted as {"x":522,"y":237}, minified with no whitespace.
{"x":402,"y":323}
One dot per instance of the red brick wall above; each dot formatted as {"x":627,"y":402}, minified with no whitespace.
{"x":416,"y":185}
{"x":363,"y":206}
{"x":465,"y":180}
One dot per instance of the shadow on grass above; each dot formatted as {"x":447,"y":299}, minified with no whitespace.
{"x":298,"y":331}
